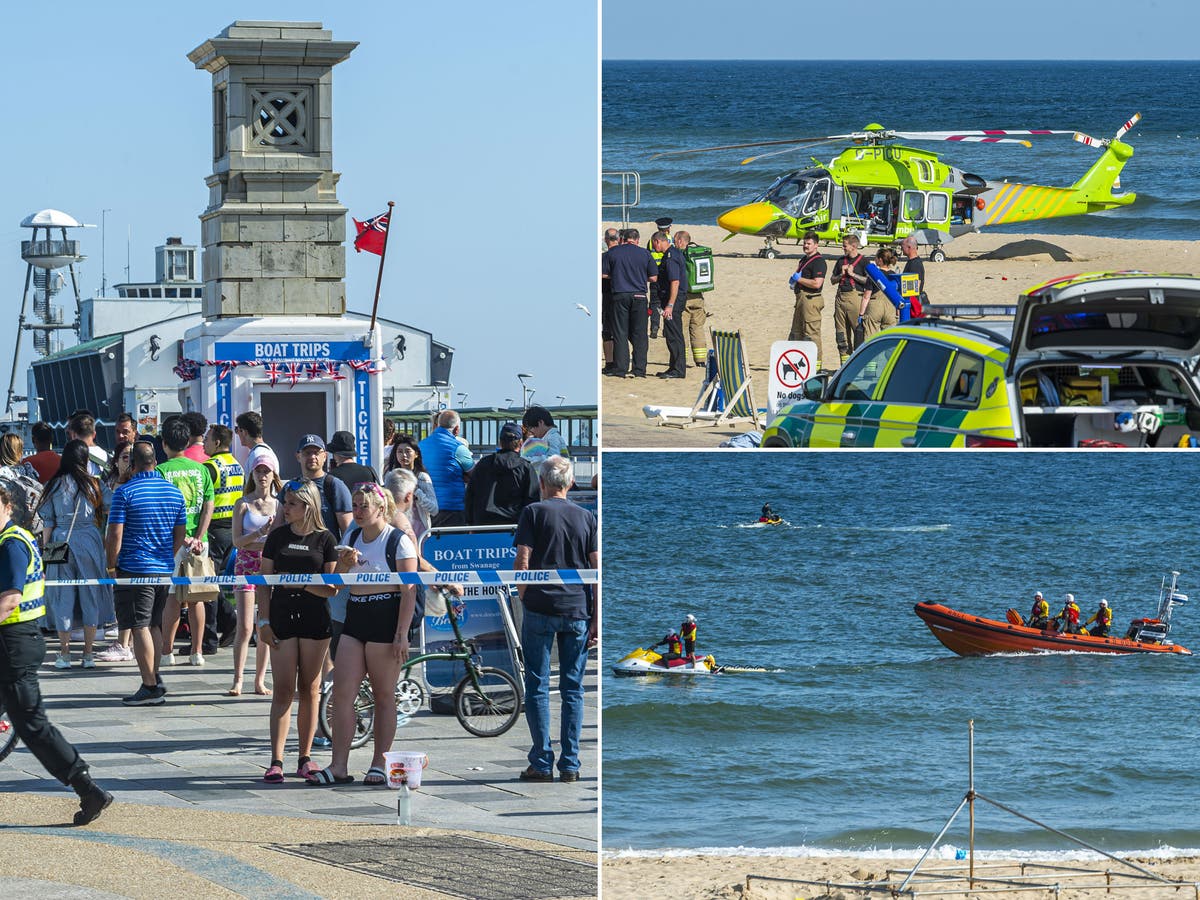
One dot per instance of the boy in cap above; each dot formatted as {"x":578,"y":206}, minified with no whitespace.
{"x":343,"y":461}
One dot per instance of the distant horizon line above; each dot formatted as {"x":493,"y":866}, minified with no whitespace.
{"x":900,"y":60}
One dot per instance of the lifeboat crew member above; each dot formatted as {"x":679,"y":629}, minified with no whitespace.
{"x":688,"y":632}
{"x":674,"y":647}
{"x":1103,"y":620}
{"x":1068,"y":619}
{"x":1039,"y":616}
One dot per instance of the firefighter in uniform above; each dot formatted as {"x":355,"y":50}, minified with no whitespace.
{"x":695,"y":314}
{"x":22,"y":649}
{"x":1103,"y":619}
{"x":687,"y":631}
{"x":228,"y":479}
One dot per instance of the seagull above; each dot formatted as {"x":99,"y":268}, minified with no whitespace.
{"x":586,"y":311}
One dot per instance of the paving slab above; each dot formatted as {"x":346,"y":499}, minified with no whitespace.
{"x":192,"y":811}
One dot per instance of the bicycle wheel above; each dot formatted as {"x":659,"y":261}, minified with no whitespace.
{"x":488,"y":705}
{"x":8,"y":734}
{"x":410,"y":696}
{"x":364,"y":715}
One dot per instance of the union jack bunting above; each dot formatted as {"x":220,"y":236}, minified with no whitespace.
{"x":187,"y":370}
{"x":274,"y":371}
{"x":225,"y":366}
{"x":333,"y":370}
{"x":293,"y":372}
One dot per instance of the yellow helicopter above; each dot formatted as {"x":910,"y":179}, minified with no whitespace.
{"x":883,"y":192}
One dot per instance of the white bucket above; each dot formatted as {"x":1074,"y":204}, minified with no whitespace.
{"x":404,"y":765}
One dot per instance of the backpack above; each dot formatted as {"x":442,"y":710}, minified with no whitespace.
{"x":389,"y":553}
{"x":26,"y":494}
{"x":700,"y":270}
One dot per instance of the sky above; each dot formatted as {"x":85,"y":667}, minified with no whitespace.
{"x":480,"y":120}
{"x":884,"y":29}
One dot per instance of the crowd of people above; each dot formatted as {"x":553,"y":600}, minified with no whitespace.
{"x":641,"y":286}
{"x":183,"y":502}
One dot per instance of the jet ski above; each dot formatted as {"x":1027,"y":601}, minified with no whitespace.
{"x":770,"y":520}
{"x":648,"y":662}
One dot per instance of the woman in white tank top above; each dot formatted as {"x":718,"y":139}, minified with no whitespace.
{"x":252,"y":517}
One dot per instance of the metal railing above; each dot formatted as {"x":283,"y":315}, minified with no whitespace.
{"x":630,"y":184}
{"x":41,"y":249}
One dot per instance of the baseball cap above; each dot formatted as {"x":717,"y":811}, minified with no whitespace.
{"x":262,"y":455}
{"x":310,"y":440}
{"x":341,"y":442}
{"x":509,"y":431}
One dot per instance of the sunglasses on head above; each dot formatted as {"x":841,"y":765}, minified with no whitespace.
{"x":293,"y":485}
{"x":370,"y":487}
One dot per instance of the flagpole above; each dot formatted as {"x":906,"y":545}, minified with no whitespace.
{"x":382,"y":257}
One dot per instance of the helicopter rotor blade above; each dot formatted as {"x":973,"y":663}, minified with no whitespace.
{"x":750,"y":159}
{"x":1133,"y":120}
{"x":807,"y":140}
{"x":1089,"y":141}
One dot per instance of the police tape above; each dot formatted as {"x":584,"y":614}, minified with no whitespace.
{"x":481,"y":576}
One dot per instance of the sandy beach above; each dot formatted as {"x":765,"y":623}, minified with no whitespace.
{"x":775,"y":877}
{"x":752,"y":295}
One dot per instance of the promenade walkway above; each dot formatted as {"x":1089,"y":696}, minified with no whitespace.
{"x":192,"y":815}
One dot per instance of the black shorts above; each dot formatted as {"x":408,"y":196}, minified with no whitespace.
{"x":139,"y":605}
{"x":372,"y":619}
{"x":220,"y":545}
{"x":299,"y":614}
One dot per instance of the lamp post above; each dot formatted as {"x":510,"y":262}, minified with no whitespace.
{"x":561,"y":399}
{"x":462,"y":399}
{"x":526,"y":393}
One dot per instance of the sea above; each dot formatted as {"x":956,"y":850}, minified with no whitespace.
{"x":856,"y":739}
{"x":652,"y":106}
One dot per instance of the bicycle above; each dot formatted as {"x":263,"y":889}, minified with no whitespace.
{"x":8,"y":734}
{"x":487,"y":701}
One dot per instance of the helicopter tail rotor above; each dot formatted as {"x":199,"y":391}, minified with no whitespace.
{"x":1089,"y":141}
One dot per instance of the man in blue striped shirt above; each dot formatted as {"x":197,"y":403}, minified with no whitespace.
{"x":146,"y":527}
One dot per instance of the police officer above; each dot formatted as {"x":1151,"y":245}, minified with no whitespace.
{"x":22,"y":649}
{"x":228,"y":479}
{"x":630,"y":268}
{"x":656,"y":306}
{"x":671,"y":287}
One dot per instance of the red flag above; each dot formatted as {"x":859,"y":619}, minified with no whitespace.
{"x":371,"y":234}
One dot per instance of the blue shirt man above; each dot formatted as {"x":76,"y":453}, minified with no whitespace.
{"x":447,"y":460}
{"x":630,"y":268}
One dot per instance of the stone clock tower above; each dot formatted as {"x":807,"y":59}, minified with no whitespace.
{"x":274,"y":231}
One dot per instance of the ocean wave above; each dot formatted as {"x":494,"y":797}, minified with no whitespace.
{"x":941,"y":852}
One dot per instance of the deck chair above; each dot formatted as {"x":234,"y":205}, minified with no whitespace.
{"x":733,"y":378}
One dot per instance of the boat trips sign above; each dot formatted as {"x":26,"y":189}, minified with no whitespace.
{"x":486,"y":617}
{"x":792,"y":364}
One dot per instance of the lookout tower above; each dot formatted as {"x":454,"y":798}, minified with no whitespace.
{"x":273,"y":232}
{"x":44,"y":255}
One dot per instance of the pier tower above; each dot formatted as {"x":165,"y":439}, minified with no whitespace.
{"x":44,"y":256}
{"x":273,"y":232}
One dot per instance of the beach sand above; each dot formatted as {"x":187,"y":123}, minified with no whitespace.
{"x":725,"y":877}
{"x":752,"y":295}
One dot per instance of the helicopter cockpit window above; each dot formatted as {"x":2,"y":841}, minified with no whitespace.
{"x":914,"y":206}
{"x":799,"y":193}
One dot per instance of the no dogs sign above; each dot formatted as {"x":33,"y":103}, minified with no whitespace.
{"x":792,"y":364}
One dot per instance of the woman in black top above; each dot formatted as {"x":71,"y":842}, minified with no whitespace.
{"x":296,"y":621}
